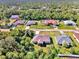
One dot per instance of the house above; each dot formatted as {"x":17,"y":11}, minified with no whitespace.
{"x":16,"y":17}
{"x":4,"y":29}
{"x":64,"y":38}
{"x":62,"y":56}
{"x":16,"y":23}
{"x":19,"y":22}
{"x":41,"y":39}
{"x":31,"y":22}
{"x":69,"y":22}
{"x":76,"y":35}
{"x":50,"y":22}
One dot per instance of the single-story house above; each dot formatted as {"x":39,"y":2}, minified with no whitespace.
{"x":31,"y":22}
{"x":76,"y":35}
{"x":50,"y":22}
{"x":41,"y":39}
{"x":16,"y":17}
{"x":19,"y":22}
{"x":64,"y":38}
{"x":70,"y":56}
{"x":4,"y":29}
{"x":69,"y":22}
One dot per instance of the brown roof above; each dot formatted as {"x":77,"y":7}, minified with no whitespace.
{"x":76,"y":35}
{"x":40,"y":39}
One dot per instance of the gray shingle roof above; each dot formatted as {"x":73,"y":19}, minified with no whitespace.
{"x":14,"y":17}
{"x":69,"y":22}
{"x":69,"y":56}
{"x":65,"y":38}
{"x":19,"y":22}
{"x":31,"y":22}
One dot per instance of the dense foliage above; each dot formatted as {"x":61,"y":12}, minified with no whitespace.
{"x":17,"y":43}
{"x":40,"y":11}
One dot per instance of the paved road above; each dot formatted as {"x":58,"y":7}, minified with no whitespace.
{"x":55,"y":30}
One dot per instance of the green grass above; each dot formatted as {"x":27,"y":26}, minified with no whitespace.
{"x":73,"y":39}
{"x":53,"y":36}
{"x":20,"y":27}
{"x":55,"y":42}
{"x":40,"y":26}
{"x":63,"y":26}
{"x":61,"y":49}
{"x":66,"y":27}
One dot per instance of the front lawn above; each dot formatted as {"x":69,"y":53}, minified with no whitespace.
{"x":62,"y":26}
{"x":20,"y":27}
{"x":53,"y":35}
{"x":40,"y":26}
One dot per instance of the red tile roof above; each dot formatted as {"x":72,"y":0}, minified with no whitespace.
{"x":40,"y":39}
{"x":50,"y":21}
{"x":76,"y":35}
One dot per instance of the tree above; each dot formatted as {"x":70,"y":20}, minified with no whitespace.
{"x":57,"y":58}
{"x":29,"y":33}
{"x":2,"y":57}
{"x":13,"y":55}
{"x":30,"y":55}
{"x":77,"y":22}
{"x":21,"y":55}
{"x":41,"y":56}
{"x":75,"y":50}
{"x":9,"y":55}
{"x":8,"y":44}
{"x":65,"y":44}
